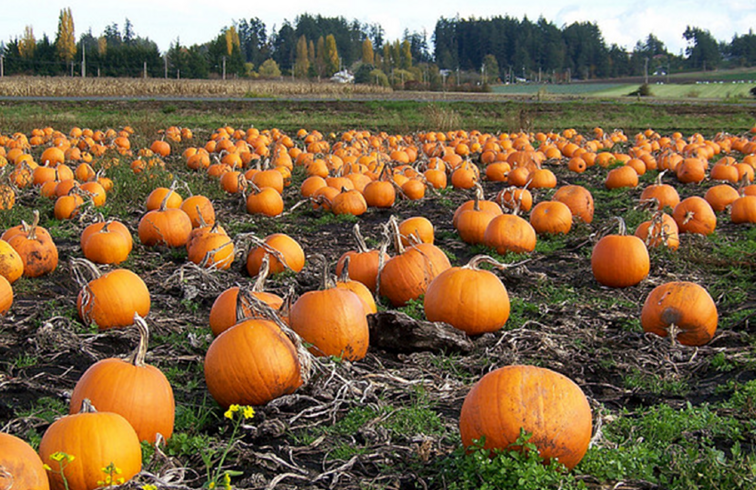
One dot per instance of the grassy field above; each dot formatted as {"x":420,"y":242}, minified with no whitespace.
{"x":721,"y":90}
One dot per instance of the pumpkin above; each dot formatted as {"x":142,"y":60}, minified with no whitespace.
{"x":478,"y":201}
{"x":695,"y":215}
{"x":161,"y":147}
{"x":468,"y":298}
{"x":107,"y":242}
{"x":510,"y":233}
{"x":364,"y":262}
{"x":211,"y":250}
{"x":578,"y":199}
{"x":96,"y":440}
{"x":20,"y":465}
{"x":165,"y":226}
{"x":349,"y":202}
{"x":416,"y":229}
{"x":620,"y":177}
{"x":252,"y":363}
{"x":660,"y":230}
{"x":110,"y":300}
{"x":67,"y":207}
{"x":160,"y":195}
{"x":332,"y":320}
{"x":620,"y":260}
{"x":743,"y":210}
{"x":11,"y":264}
{"x":285,"y":252}
{"x":199,"y":209}
{"x":513,"y":198}
{"x":35,"y":247}
{"x":357,"y":288}
{"x":6,"y":295}
{"x":720,"y":196}
{"x":536,"y":400}
{"x":684,"y":310}
{"x":406,"y":275}
{"x":664,"y":195}
{"x":138,"y":391}
{"x":551,"y":217}
{"x":691,"y":170}
{"x":233,"y":305}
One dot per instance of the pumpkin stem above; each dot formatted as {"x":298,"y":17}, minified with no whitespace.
{"x":361,"y":244}
{"x":326,"y":281}
{"x":486,"y":259}
{"x":344,"y":277}
{"x":202,"y":222}
{"x":87,"y":407}
{"x":140,"y":353}
{"x":78,"y":268}
{"x":262,"y":274}
{"x":392,"y":230}
{"x":31,"y":234}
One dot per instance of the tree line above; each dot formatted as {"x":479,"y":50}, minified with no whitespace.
{"x":473,"y":51}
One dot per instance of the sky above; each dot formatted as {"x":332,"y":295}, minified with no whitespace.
{"x":622,"y":22}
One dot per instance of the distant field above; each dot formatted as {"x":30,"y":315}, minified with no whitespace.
{"x":703,"y":90}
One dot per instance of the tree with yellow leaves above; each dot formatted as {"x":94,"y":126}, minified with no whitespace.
{"x":368,"y":56}
{"x":301,"y":62}
{"x":27,"y":44}
{"x":232,"y":40}
{"x":331,"y":55}
{"x":65,"y":42}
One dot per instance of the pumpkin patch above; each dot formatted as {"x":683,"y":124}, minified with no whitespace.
{"x":328,"y":305}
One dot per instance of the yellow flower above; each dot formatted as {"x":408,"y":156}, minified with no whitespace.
{"x":60,"y":456}
{"x":248,"y":412}
{"x":211,"y":485}
{"x":46,"y":467}
{"x":231,"y":410}
{"x":149,"y":486}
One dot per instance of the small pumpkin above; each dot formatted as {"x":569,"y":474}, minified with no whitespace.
{"x":364,"y":263}
{"x":407,"y":275}
{"x":11,"y":264}
{"x":106,"y":242}
{"x":510,"y":233}
{"x":332,"y":320}
{"x":35,"y":246}
{"x":578,"y":199}
{"x":96,"y":440}
{"x":551,"y":217}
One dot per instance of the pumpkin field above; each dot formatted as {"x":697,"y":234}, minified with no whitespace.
{"x":196,"y":297}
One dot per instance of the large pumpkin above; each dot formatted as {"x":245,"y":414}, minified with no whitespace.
{"x":468,"y":298}
{"x":683,"y":309}
{"x":138,"y":391}
{"x":539,"y":401}
{"x":284,"y":252}
{"x":96,"y":440}
{"x":20,"y":465}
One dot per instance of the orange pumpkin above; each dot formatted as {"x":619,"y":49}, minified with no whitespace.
{"x":695,"y":215}
{"x":284,"y":251}
{"x":468,"y":298}
{"x":20,"y":465}
{"x":620,"y":260}
{"x":96,"y":440}
{"x":138,"y":391}
{"x":682,"y":309}
{"x":252,"y":363}
{"x":551,"y":217}
{"x":536,"y":400}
